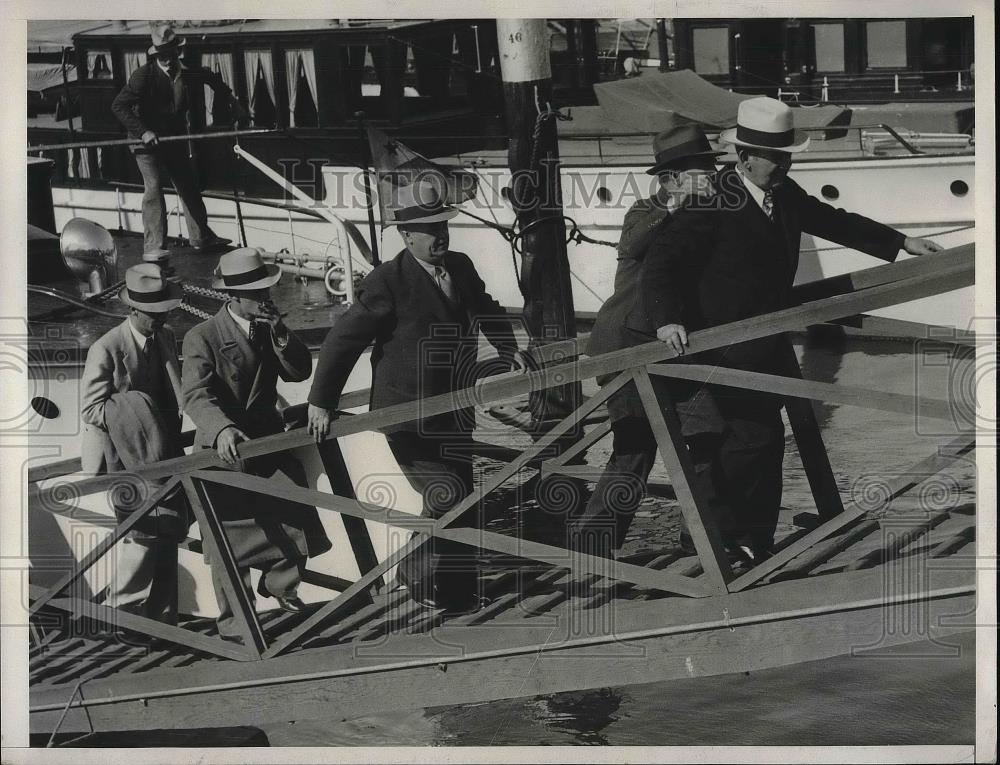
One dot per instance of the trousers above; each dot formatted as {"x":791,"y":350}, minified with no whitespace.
{"x":170,"y":161}
{"x":281,"y":579}
{"x":441,"y":471}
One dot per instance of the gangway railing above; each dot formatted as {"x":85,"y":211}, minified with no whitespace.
{"x":834,"y":300}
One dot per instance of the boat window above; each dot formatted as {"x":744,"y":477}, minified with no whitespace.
{"x":221,"y":65}
{"x":829,"y":45}
{"x":300,"y":76}
{"x":363,"y":68}
{"x":260,"y":83}
{"x":886,"y":44}
{"x":133,"y":60}
{"x":959,"y":188}
{"x":99,"y":65}
{"x":439,"y":71}
{"x":711,"y":50}
{"x":45,"y":407}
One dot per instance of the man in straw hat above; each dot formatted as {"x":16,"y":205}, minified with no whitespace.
{"x":157,"y":102}
{"x":684,"y":166}
{"x":422,"y":309}
{"x":724,"y":262}
{"x":232,"y":363}
{"x":131,"y":391}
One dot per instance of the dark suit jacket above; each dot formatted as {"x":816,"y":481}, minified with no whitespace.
{"x":424,"y":346}
{"x":152,"y":101}
{"x":228,"y":382}
{"x":729,"y":262}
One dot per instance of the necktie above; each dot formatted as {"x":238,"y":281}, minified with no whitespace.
{"x":260,"y":335}
{"x":768,"y":204}
{"x":444,"y":283}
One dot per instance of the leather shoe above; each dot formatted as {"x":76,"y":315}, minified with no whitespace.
{"x":214,"y":244}
{"x":292,"y":605}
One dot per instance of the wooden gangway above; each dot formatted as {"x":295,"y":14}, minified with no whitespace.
{"x":559,"y":619}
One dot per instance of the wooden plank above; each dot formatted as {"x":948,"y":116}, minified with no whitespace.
{"x":815,"y":624}
{"x":913,"y":476}
{"x":882,"y":326}
{"x":953,"y":544}
{"x":510,"y":599}
{"x":582,"y":445}
{"x":705,"y":534}
{"x":809,"y":442}
{"x":851,"y":395}
{"x":497,"y":479}
{"x":103,"y":546}
{"x":899,"y":534}
{"x":99,"y":658}
{"x":116,"y":618}
{"x":953,"y":273}
{"x":823,"y":551}
{"x":218,"y":547}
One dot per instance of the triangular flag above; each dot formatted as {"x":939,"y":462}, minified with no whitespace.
{"x":398,"y":165}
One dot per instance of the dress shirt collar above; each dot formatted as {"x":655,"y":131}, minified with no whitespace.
{"x":243,"y":324}
{"x":756,"y":192}
{"x":429,"y":267}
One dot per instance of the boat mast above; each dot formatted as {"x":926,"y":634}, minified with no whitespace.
{"x":536,"y":196}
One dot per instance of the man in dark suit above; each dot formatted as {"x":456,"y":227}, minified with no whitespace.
{"x":684,"y":165}
{"x":728,"y":260}
{"x":156,"y":102}
{"x":232,"y":363}
{"x":422,"y":310}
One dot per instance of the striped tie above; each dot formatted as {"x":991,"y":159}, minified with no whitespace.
{"x":768,"y":204}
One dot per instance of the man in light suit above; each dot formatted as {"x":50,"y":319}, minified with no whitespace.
{"x":131,"y":390}
{"x":727,"y":260}
{"x":232,"y":363}
{"x":684,"y":165}
{"x":423,"y":310}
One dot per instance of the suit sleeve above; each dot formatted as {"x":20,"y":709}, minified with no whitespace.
{"x":639,"y":227}
{"x":126,"y":103}
{"x":493,"y":321}
{"x":199,"y":381}
{"x":294,"y":359}
{"x":347,"y":340}
{"x":675,"y":246}
{"x":98,"y":385}
{"x":846,"y":228}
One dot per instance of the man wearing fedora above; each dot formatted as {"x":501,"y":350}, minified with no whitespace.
{"x":728,"y":260}
{"x":232,"y":363}
{"x":131,"y":391}
{"x":157,"y":102}
{"x":684,"y":166}
{"x":422,"y":310}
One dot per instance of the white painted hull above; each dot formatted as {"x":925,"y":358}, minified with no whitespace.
{"x":913,"y":194}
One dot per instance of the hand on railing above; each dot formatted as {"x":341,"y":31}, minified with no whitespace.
{"x":915,"y":246}
{"x":673,"y":335}
{"x":319,"y":422}
{"x":225,"y":444}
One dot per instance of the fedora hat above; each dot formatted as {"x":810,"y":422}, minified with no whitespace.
{"x":146,"y":289}
{"x":678,"y":143}
{"x":417,"y":202}
{"x":244,"y":269}
{"x":765,"y":123}
{"x":164,"y":38}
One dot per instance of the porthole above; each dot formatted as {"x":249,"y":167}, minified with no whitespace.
{"x":830,"y":192}
{"x":603,"y":194}
{"x":45,"y":407}
{"x":959,"y":188}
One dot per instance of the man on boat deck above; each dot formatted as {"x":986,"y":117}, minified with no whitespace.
{"x":422,"y":310}
{"x":156,"y":102}
{"x":684,"y":166}
{"x":724,"y":262}
{"x":232,"y":363}
{"x":131,"y":391}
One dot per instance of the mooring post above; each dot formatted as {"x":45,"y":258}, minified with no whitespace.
{"x":536,"y":196}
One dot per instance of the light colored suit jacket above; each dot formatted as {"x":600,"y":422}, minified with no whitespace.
{"x":226,"y":382}
{"x":113,"y":362}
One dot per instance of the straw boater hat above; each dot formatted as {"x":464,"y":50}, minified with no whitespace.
{"x":244,"y":269}
{"x":417,"y":202}
{"x":164,"y":38}
{"x":146,"y":290}
{"x":764,"y":123}
{"x":677,"y":143}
